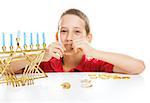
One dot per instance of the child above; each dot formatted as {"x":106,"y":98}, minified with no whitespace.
{"x":72,"y":53}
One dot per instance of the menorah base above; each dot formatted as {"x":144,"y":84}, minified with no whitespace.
{"x":20,"y":81}
{"x":31,"y":72}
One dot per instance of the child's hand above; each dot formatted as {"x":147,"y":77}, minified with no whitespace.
{"x":82,"y":44}
{"x":54,"y":50}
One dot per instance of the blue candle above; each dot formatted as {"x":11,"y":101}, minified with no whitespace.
{"x":3,"y":41}
{"x":37,"y":38}
{"x":11,"y":41}
{"x":43,"y":36}
{"x":31,"y":39}
{"x":24,"y":36}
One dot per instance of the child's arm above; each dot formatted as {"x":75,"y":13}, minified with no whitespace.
{"x":53,"y":50}
{"x":17,"y":66}
{"x":122,"y":63}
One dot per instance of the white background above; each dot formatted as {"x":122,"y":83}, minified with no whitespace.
{"x":121,"y":26}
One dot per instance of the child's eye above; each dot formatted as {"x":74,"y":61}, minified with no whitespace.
{"x":63,"y":31}
{"x":77,"y":31}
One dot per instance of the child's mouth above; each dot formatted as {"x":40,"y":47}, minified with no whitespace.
{"x":68,"y":47}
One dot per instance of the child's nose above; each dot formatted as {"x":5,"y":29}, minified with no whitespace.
{"x":69,"y":37}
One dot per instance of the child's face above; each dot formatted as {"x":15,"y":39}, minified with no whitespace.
{"x":71,"y":28}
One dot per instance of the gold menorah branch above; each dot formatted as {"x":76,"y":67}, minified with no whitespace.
{"x":32,"y":70}
{"x":4,"y":48}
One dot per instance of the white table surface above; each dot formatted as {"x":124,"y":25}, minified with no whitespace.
{"x":103,"y":91}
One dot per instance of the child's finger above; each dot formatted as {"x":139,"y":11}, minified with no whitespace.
{"x":55,"y":44}
{"x":77,"y":49}
{"x":63,"y":47}
{"x":60,"y":48}
{"x":76,"y":46}
{"x":58,"y":52}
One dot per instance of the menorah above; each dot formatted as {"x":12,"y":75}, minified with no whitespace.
{"x":33,"y":57}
